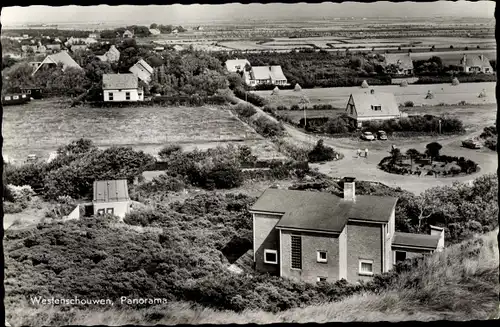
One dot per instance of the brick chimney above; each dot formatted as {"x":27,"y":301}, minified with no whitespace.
{"x":438,"y":231}
{"x":349,"y":189}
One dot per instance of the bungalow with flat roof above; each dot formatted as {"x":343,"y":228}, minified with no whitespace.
{"x":121,"y":88}
{"x":365,"y":106}
{"x":316,"y":236}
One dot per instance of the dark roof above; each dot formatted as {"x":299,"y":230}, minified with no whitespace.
{"x":322,"y":211}
{"x":119,"y":81}
{"x":111,"y":191}
{"x":423,"y":241}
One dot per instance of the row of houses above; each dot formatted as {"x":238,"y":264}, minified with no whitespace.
{"x":402,"y":64}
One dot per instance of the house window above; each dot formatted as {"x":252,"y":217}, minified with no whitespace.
{"x":15,"y":97}
{"x":29,"y":91}
{"x":110,"y":94}
{"x":139,"y":94}
{"x":366,"y":267}
{"x":377,"y":108}
{"x":7,"y":98}
{"x":100,"y":212}
{"x":296,"y":252}
{"x":110,"y":211}
{"x":321,"y":279}
{"x":400,"y":256}
{"x":321,"y":256}
{"x":270,"y":256}
{"x":127,"y":95}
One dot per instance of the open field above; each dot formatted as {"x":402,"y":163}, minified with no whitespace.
{"x":41,"y":126}
{"x":443,"y":93}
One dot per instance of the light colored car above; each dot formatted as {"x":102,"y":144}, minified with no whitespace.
{"x":471,"y":144}
{"x":382,"y":135}
{"x":367,"y":136}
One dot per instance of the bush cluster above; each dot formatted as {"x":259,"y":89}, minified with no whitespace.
{"x":253,"y":98}
{"x":490,"y":135}
{"x":76,"y":167}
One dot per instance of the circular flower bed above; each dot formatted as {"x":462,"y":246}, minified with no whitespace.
{"x":441,"y":166}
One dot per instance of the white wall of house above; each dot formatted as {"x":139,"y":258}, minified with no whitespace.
{"x":120,"y":209}
{"x":121,"y":95}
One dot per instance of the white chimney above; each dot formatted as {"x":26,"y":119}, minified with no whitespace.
{"x":349,"y":189}
{"x":438,"y":231}
{"x":481,"y":57}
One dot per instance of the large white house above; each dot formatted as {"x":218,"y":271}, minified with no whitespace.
{"x":121,"y":87}
{"x":372,"y":106}
{"x":265,"y":75}
{"x":142,"y":70}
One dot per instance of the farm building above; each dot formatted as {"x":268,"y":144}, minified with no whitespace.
{"x":142,"y":70}
{"x":154,"y":31}
{"x":94,"y":35}
{"x":315,"y":236}
{"x":58,"y":58}
{"x":265,"y":75}
{"x":476,"y":64}
{"x":236,"y":65}
{"x":127,"y":34}
{"x":372,"y":106}
{"x":121,"y":87}
{"x":112,"y":55}
{"x":398,"y":64}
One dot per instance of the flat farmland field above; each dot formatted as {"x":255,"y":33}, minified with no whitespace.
{"x":338,"y":96}
{"x":41,"y":126}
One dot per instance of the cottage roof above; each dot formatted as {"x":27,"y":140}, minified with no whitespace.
{"x":231,"y":64}
{"x":403,"y":61}
{"x":267,"y":72}
{"x":422,"y":241}
{"x":363,"y":103}
{"x":476,"y":61}
{"x":321,"y":211}
{"x":154,"y":31}
{"x":61,"y":57}
{"x":119,"y":81}
{"x":111,"y":191}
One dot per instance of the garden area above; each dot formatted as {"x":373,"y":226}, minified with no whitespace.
{"x":429,"y":163}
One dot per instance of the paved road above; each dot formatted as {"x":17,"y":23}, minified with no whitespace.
{"x":366,"y":168}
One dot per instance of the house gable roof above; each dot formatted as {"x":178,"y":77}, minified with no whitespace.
{"x":142,"y":64}
{"x":61,"y":57}
{"x":119,"y":81}
{"x":422,"y":241}
{"x":363,"y":103}
{"x":476,"y":61}
{"x":403,"y":61}
{"x":323,"y":212}
{"x":267,"y":72}
{"x":111,"y":191}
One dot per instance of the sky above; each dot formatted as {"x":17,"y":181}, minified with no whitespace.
{"x":172,"y":14}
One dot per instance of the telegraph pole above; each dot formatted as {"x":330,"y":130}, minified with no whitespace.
{"x":440,"y":126}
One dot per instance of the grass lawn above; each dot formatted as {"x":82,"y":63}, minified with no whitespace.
{"x":40,"y":126}
{"x":443,"y":93}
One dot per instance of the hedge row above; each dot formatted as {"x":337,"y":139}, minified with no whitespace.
{"x":250,"y":97}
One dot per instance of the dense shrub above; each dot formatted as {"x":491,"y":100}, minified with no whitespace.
{"x":426,"y":123}
{"x":321,"y":153}
{"x":250,"y":97}
{"x":168,"y":150}
{"x":409,"y":104}
{"x":11,"y":208}
{"x":338,"y":125}
{"x":267,"y":127}
{"x":29,"y":174}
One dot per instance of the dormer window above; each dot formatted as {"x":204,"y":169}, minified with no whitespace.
{"x":376,"y":108}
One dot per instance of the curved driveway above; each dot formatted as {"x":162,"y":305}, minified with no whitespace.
{"x":366,"y":168}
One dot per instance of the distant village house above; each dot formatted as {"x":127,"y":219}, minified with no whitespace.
{"x":154,"y":31}
{"x":58,"y":58}
{"x":121,"y":88}
{"x":401,"y":64}
{"x":372,"y":106}
{"x":127,"y":34}
{"x":476,"y":64}
{"x":112,"y":55}
{"x":265,"y":75}
{"x":142,"y":70}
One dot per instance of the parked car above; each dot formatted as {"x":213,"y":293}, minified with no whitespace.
{"x":382,"y":135}
{"x":367,"y":136}
{"x":471,"y":144}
